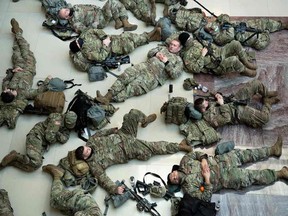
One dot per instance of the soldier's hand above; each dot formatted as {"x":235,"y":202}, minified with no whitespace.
{"x":120,"y":190}
{"x":219,"y":99}
{"x":204,"y":51}
{"x":17,"y":69}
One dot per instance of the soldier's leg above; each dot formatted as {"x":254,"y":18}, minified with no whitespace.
{"x":25,"y":52}
{"x":237,"y":178}
{"x":133,"y":40}
{"x":239,"y":157}
{"x":132,"y":119}
{"x":263,"y":24}
{"x":252,"y":88}
{"x":5,"y":205}
{"x":85,"y":204}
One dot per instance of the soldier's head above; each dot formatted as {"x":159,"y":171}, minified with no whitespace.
{"x":65,"y":13}
{"x":174,"y":46}
{"x":70,"y":119}
{"x":174,"y":177}
{"x":184,"y":37}
{"x":8,"y":95}
{"x":201,"y":104}
{"x":83,"y":152}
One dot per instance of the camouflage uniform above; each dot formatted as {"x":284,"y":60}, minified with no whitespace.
{"x":186,"y":19}
{"x":224,"y":59}
{"x":141,"y":10}
{"x":21,"y":81}
{"x":94,"y":50}
{"x":86,"y":15}
{"x":146,"y":76}
{"x":231,"y":113}
{"x":122,"y":146}
{"x":74,"y":202}
{"x":258,"y":41}
{"x":5,"y":205}
{"x":39,"y":139}
{"x":225,"y":172}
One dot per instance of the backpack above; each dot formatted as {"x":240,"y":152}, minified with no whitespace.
{"x":90,"y":114}
{"x":50,"y":102}
{"x":5,"y":205}
{"x":57,"y":84}
{"x":192,"y":206}
{"x":175,"y":110}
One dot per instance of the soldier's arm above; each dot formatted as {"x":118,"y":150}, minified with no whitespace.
{"x":193,"y":59}
{"x":53,"y":125}
{"x":63,"y":135}
{"x":174,"y":67}
{"x":95,"y":53}
{"x":151,"y":53}
{"x":224,"y":117}
{"x":194,"y":191}
{"x":105,"y":132}
{"x":32,"y":93}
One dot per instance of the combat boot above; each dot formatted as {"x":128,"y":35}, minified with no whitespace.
{"x":272,"y":94}
{"x":183,"y":146}
{"x":104,"y":99}
{"x":118,"y":24}
{"x":55,"y":171}
{"x":283,"y":173}
{"x":15,"y":27}
{"x":270,"y":100}
{"x":148,"y":120}
{"x":155,"y":34}
{"x":128,"y":26}
{"x":248,"y":64}
{"x":284,"y":25}
{"x":12,"y":156}
{"x":276,"y":149}
{"x":248,"y":72}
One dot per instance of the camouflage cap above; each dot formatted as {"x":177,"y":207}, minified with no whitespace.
{"x":189,"y":84}
{"x":70,"y":119}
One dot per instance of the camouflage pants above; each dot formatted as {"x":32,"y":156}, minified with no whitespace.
{"x":140,"y":149}
{"x":126,"y":42}
{"x":23,"y":57}
{"x":231,"y":55}
{"x":34,"y":153}
{"x":111,"y":10}
{"x":134,"y":81}
{"x":5,"y":205}
{"x":234,"y":177}
{"x":74,"y":202}
{"x":139,"y":8}
{"x":248,"y":115}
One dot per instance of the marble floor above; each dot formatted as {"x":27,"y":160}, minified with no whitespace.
{"x":29,"y":192}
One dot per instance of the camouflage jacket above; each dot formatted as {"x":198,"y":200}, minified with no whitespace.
{"x":190,"y":168}
{"x":193,"y":59}
{"x":107,"y":150}
{"x":220,"y":115}
{"x":50,"y":131}
{"x":163,"y":72}
{"x":85,"y":15}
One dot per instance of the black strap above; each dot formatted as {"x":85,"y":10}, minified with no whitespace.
{"x":155,"y":175}
{"x":110,"y":72}
{"x":71,"y":83}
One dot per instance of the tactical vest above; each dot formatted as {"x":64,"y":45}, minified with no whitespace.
{"x":175,"y":110}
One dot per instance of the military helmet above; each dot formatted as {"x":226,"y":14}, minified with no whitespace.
{"x":211,"y":28}
{"x":70,"y":119}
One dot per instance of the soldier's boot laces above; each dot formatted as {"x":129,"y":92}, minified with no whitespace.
{"x":128,"y":26}
{"x":183,"y":146}
{"x":249,"y":64}
{"x":55,"y":171}
{"x":276,"y":149}
{"x":148,"y":120}
{"x":248,"y":72}
{"x":271,"y":100}
{"x":15,"y":26}
{"x":283,"y":173}
{"x":118,"y":24}
{"x":155,"y":34}
{"x":9,"y":158}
